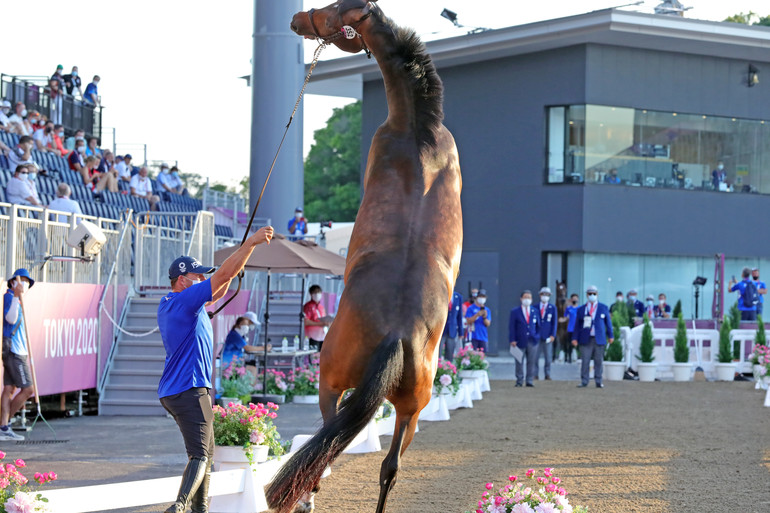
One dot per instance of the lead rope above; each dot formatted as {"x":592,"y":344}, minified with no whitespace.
{"x":316,"y":56}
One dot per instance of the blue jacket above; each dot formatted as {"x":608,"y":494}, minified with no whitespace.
{"x":548,"y":321}
{"x":740,"y":287}
{"x":522,"y":333}
{"x":602,"y":324}
{"x":454,"y":321}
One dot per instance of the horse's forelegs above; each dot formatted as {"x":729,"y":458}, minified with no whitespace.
{"x":403,"y":437}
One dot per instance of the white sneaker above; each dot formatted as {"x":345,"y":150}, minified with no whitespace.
{"x":10,"y":435}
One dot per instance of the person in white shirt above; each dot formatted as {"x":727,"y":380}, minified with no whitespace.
{"x":17,"y":119}
{"x":22,"y":153}
{"x":63,"y":203}
{"x":142,"y":187}
{"x":20,"y":190}
{"x":44,"y":138}
{"x":124,"y":168}
{"x":5,"y":109}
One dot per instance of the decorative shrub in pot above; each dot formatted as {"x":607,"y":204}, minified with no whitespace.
{"x":646,"y":366}
{"x":682,"y":368}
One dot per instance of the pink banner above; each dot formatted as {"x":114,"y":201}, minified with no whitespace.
{"x":62,"y":322}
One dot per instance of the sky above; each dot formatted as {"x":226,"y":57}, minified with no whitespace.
{"x":170,"y":69}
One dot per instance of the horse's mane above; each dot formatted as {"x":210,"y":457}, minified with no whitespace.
{"x":421,"y":72}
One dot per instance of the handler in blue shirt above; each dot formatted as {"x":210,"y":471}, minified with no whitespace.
{"x":523,"y":332}
{"x":761,"y":289}
{"x":185,"y":386}
{"x":479,"y":318}
{"x":571,"y":313}
{"x":748,"y":312}
{"x":548,"y":323}
{"x":453,"y":327}
{"x":593,"y":330}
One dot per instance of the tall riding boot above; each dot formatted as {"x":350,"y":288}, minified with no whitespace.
{"x":191,"y":481}
{"x":200,"y":500}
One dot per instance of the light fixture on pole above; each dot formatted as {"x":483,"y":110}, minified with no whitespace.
{"x":753,"y":75}
{"x":451,"y":16}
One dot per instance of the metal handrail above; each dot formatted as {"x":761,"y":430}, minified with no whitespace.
{"x":101,"y":374}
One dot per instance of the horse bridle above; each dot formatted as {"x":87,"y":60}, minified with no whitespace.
{"x":347,"y":31}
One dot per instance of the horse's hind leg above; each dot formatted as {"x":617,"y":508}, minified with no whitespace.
{"x":405,"y":426}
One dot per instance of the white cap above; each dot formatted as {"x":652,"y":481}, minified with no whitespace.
{"x":545,"y":290}
{"x":592,"y":289}
{"x":6,"y":103}
{"x":252,"y":317}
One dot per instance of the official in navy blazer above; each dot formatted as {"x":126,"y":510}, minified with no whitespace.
{"x":593,"y":331}
{"x":453,"y":327}
{"x":548,"y":323}
{"x":524,"y":333}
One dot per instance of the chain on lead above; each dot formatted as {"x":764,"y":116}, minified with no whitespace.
{"x":316,"y":56}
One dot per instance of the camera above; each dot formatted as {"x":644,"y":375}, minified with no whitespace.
{"x":326,"y":224}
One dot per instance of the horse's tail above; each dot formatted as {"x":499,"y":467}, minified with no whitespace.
{"x":304,"y":468}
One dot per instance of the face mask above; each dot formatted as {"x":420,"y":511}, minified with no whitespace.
{"x":60,"y":135}
{"x":24,"y":113}
{"x":662,"y":302}
{"x":74,"y":73}
{"x":164,"y":171}
{"x":41,"y":122}
{"x":619,"y":299}
{"x":481,"y":301}
{"x":82,"y":149}
{"x":24,"y":285}
{"x":526,"y":302}
{"x":192,"y":281}
{"x":243,"y":330}
{"x":316,"y":297}
{"x":32,"y":175}
{"x":175,"y":174}
{"x":650,"y":302}
{"x":24,"y":177}
{"x":756,"y":278}
{"x":720,"y":167}
{"x":297,"y":215}
{"x":592,"y":298}
{"x":632,"y":298}
{"x":574,"y":301}
{"x":544,"y":299}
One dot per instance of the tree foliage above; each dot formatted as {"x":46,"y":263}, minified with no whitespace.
{"x":614,"y":352}
{"x":725,"y":351}
{"x":761,"y":338}
{"x":647,"y":345}
{"x":681,"y":344}
{"x":749,"y":18}
{"x":677,"y":311}
{"x":333,"y":168}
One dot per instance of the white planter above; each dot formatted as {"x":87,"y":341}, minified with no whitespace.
{"x":305,"y":399}
{"x":647,"y":371}
{"x":224,"y":401}
{"x":725,"y":371}
{"x":613,"y":371}
{"x":682,"y":371}
{"x":228,"y":457}
{"x":481,"y":375}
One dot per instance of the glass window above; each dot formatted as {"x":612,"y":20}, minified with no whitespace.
{"x":644,"y":148}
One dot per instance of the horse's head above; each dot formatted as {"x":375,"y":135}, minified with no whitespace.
{"x":336,"y":23}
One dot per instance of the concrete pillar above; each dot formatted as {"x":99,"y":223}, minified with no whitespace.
{"x":278,"y":70}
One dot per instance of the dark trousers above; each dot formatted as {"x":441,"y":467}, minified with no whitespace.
{"x":192,"y":412}
{"x":315,"y":343}
{"x":748,"y":315}
{"x":544,"y":348}
{"x":448,"y":347}
{"x":480,"y":344}
{"x":530,"y":355}
{"x":590,"y":351}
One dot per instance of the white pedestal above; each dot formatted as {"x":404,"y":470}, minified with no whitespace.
{"x":387,"y":426}
{"x":481,"y":375}
{"x":368,"y":440}
{"x":462,"y":399}
{"x":252,"y":500}
{"x":436,"y":410}
{"x":475,"y":384}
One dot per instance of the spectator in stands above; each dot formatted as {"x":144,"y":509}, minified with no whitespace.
{"x":19,"y":126}
{"x":177,"y":182}
{"x":33,"y":122}
{"x":71,"y":140}
{"x":58,"y":77}
{"x":58,"y":140}
{"x":63,"y":203}
{"x":56,"y":91}
{"x":22,"y":153}
{"x":5,"y":109}
{"x":72,"y":82}
{"x":77,"y":158}
{"x":97,"y":181}
{"x":169,"y":180}
{"x":92,"y":149}
{"x":20,"y":190}
{"x":44,"y":138}
{"x":91,"y":95}
{"x":4,"y":150}
{"x":662,"y":311}
{"x":142,"y":187}
{"x":124,"y":168}
{"x":108,"y":163}
{"x":297,"y":225}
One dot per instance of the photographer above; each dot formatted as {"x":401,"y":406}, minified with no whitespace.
{"x":479,"y":318}
{"x":297,"y":225}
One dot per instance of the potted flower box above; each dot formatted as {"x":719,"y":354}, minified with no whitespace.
{"x":472,"y":364}
{"x":303,"y":383}
{"x":245,"y":435}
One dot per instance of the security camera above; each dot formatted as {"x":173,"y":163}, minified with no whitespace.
{"x":88,"y":237}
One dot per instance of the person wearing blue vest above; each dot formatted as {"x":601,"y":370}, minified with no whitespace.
{"x":453,"y":329}
{"x":547,"y":329}
{"x":761,"y":289}
{"x":748,"y":312}
{"x":524,"y":333}
{"x":185,"y":385}
{"x":16,"y":373}
{"x":593,"y":331}
{"x":479,"y":318}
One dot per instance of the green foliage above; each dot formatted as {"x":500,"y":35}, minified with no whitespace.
{"x":725,"y":351}
{"x":614,"y":352}
{"x":749,"y":18}
{"x":333,"y":168}
{"x":735,"y":316}
{"x":681,"y":344}
{"x":677,"y":311}
{"x":648,"y":344}
{"x":760,"y":339}
{"x":764,"y":21}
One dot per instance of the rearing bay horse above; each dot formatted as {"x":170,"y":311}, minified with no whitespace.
{"x":403,"y":258}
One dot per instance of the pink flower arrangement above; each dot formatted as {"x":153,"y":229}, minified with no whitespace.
{"x":540,"y":494}
{"x":471,"y":359}
{"x":237,"y":381}
{"x":246,"y":426}
{"x":304,"y":380}
{"x":277,"y":382}
{"x":16,"y":493}
{"x":446,"y":376}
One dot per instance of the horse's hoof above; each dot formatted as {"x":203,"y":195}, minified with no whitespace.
{"x":306,"y":504}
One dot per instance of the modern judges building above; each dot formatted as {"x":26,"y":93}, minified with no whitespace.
{"x":590,"y":148}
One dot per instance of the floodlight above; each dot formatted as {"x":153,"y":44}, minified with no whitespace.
{"x":88,"y":237}
{"x":451,"y":16}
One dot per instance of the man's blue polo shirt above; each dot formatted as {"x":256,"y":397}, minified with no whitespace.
{"x":741,"y":287}
{"x":188,"y":338}
{"x":479,"y":329}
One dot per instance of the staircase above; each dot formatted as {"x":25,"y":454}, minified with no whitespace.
{"x":132,"y":380}
{"x":285,"y":307}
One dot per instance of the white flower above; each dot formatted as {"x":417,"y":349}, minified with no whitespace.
{"x":465,"y":362}
{"x":522,"y":508}
{"x":445,"y":380}
{"x":281,"y":386}
{"x":546,"y":507}
{"x":496,"y":509}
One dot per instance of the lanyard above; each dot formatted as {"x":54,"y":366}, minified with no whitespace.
{"x":591,"y":310}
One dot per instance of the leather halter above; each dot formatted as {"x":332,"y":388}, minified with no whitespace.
{"x":344,"y":32}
